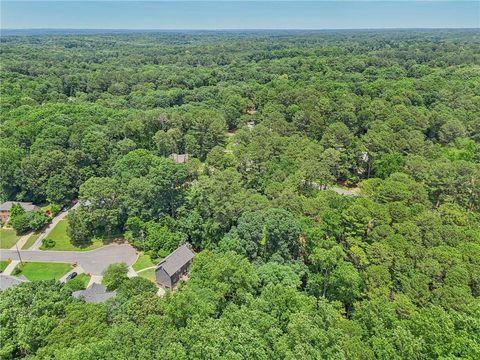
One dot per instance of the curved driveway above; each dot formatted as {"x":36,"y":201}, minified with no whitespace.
{"x":93,"y":261}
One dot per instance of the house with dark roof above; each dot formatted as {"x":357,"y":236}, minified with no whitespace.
{"x":6,"y":207}
{"x":95,"y":293}
{"x":7,"y":281}
{"x":174,"y":266}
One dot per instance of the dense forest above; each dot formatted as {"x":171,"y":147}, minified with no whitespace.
{"x":273,"y":123}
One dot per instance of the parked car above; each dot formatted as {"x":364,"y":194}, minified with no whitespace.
{"x":71,"y":276}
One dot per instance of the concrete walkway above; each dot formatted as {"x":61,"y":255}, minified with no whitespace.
{"x":20,"y":242}
{"x":131,"y":272}
{"x":148,"y":268}
{"x":95,"y":279}
{"x":9,"y":269}
{"x":93,"y":262}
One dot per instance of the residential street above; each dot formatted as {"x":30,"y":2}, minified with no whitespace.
{"x":93,"y":262}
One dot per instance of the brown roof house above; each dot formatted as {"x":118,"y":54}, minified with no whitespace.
{"x":174,"y":266}
{"x":6,"y":207}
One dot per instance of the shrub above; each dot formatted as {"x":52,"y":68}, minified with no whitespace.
{"x":48,"y":243}
{"x":115,"y":275}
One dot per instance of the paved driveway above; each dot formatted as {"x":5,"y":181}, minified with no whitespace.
{"x":93,"y":262}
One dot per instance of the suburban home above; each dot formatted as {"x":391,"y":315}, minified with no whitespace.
{"x":6,"y":207}
{"x":7,"y":281}
{"x":95,"y":293}
{"x":174,"y":266}
{"x":180,"y":158}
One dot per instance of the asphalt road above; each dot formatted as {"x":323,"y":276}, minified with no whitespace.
{"x":93,"y":262}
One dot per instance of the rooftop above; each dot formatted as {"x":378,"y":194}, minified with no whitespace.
{"x":7,"y":281}
{"x":178,"y":258}
{"x":95,"y":293}
{"x":7,"y":205}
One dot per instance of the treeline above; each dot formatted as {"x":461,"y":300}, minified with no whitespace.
{"x":286,"y":269}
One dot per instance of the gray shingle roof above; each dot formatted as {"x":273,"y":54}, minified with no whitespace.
{"x":176,"y":260}
{"x":95,"y":293}
{"x":7,"y":205}
{"x":7,"y":281}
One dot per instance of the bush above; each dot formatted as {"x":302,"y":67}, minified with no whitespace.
{"x":37,"y":220}
{"x":48,"y":243}
{"x":55,"y":209}
{"x":26,"y":221}
{"x":21,"y":223}
{"x":115,"y":275}
{"x":136,"y":286}
{"x":77,"y":283}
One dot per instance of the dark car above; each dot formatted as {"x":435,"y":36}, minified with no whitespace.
{"x":71,"y":276}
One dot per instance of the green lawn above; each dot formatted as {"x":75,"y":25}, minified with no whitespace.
{"x":78,"y":282}
{"x":30,"y":241}
{"x":143,"y":261}
{"x":35,"y":271}
{"x":148,"y":274}
{"x":3,"y":265}
{"x":8,"y":238}
{"x":62,"y":240}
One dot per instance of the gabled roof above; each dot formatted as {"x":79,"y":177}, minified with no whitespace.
{"x":7,"y":281}
{"x":176,"y":260}
{"x":95,"y":293}
{"x":7,"y":205}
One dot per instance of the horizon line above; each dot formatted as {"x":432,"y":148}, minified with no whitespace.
{"x":239,"y":29}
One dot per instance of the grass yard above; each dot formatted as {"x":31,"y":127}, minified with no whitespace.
{"x":78,"y":282}
{"x":8,"y":238}
{"x":3,"y":265}
{"x":35,"y":271}
{"x":144,"y":261}
{"x":148,"y":274}
{"x":30,"y":241}
{"x":62,"y":240}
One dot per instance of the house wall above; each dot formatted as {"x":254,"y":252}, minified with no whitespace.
{"x":184,"y":270}
{"x":162,"y":278}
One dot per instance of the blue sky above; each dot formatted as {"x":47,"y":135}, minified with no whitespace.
{"x":228,"y":14}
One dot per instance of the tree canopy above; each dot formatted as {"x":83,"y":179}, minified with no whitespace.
{"x":328,"y":182}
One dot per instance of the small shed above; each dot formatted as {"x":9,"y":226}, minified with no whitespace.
{"x":174,"y":266}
